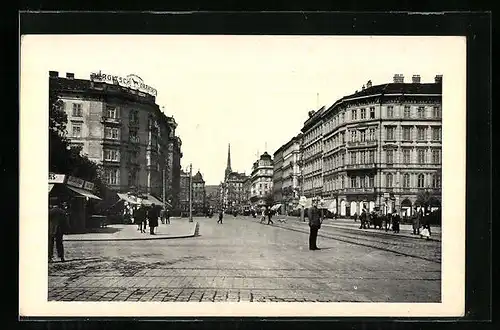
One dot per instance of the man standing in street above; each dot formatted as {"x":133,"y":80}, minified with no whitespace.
{"x":221,"y":214}
{"x":314,"y":225}
{"x":58,"y":224}
{"x":153,"y":218}
{"x":269,"y":216}
{"x":140,"y":217}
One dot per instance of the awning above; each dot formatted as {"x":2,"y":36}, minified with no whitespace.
{"x":275,"y":207}
{"x":329,"y":204}
{"x":127,"y":198}
{"x":149,"y":200}
{"x":82,"y":192}
{"x":51,"y":185}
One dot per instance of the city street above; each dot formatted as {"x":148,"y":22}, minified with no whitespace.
{"x":243,"y":260}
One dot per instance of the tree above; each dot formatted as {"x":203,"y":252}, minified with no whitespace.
{"x":426,"y":199}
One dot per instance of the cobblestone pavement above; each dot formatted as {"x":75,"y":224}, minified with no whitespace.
{"x":242,"y":260}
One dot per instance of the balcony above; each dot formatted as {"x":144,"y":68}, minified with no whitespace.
{"x":349,"y":191}
{"x":361,"y":144}
{"x":111,"y":121}
{"x":356,"y":167}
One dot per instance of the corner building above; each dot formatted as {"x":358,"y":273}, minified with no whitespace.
{"x":122,"y":129}
{"x":380,"y":147}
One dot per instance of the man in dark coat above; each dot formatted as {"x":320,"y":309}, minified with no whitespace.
{"x":153,"y":218}
{"x":140,"y":217}
{"x":221,"y":215}
{"x":58,"y":224}
{"x":269,"y":216}
{"x":314,"y":225}
{"x":395,"y":222}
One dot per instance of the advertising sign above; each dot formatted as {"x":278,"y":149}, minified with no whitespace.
{"x":131,"y":81}
{"x":75,"y":182}
{"x":56,"y":178}
{"x":88,"y":186}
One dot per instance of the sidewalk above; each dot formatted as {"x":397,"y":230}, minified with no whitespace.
{"x":176,"y":229}
{"x":405,"y":230}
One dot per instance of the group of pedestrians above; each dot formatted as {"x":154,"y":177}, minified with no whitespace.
{"x":267,"y":213}
{"x":149,"y":215}
{"x":421,"y":225}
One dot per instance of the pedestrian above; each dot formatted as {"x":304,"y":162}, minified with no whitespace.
{"x":395,"y":222}
{"x":221,"y":215}
{"x":314,"y":225}
{"x":416,"y":221}
{"x":153,"y":218}
{"x":426,"y":223}
{"x":167,"y":215}
{"x":162,"y":215}
{"x":140,"y":217}
{"x":363,"y":218}
{"x":263,"y":216}
{"x":355,"y":216}
{"x":269,"y":216}
{"x":387,"y":221}
{"x":58,"y":225}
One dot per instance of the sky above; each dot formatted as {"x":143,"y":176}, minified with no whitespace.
{"x":253,"y":92}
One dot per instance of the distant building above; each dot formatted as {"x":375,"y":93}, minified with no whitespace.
{"x":261,"y":191}
{"x":184,"y":193}
{"x":233,"y":196}
{"x":212,"y":196}
{"x":199,"y":194}
{"x":287,"y":174}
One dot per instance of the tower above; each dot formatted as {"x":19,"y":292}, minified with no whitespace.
{"x":228,"y":166}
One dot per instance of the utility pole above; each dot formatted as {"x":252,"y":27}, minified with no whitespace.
{"x":190,"y":192}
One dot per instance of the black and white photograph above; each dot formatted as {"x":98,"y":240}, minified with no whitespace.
{"x":244,"y":174}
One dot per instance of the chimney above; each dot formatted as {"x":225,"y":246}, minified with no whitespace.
{"x":415,"y":79}
{"x":369,"y":84}
{"x":363,"y":87}
{"x":70,"y":75}
{"x":438,"y":79}
{"x":399,"y":78}
{"x":53,"y":74}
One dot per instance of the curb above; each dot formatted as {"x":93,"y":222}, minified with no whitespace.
{"x":195,"y":233}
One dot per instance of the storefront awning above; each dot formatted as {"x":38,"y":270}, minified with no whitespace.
{"x":84,"y":193}
{"x":275,"y":207}
{"x":128,"y":199}
{"x":149,"y":200}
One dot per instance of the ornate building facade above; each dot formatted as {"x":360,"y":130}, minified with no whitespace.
{"x":262,"y":181}
{"x":199,"y":194}
{"x":379,"y":148}
{"x":233,"y":195}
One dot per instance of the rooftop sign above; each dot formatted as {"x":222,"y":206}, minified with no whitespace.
{"x":131,"y":81}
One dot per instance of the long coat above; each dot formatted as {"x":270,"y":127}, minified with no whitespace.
{"x":153,"y":217}
{"x":314,"y":217}
{"x":58,"y":221}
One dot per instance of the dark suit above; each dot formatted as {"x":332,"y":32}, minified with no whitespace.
{"x":314,"y":225}
{"x":58,"y":223}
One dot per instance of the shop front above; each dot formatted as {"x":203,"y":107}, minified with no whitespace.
{"x":78,"y":200}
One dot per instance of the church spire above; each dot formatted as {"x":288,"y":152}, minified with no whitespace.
{"x":228,"y":166}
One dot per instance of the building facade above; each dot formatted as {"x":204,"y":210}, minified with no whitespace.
{"x":185,"y":181}
{"x":199,"y":194}
{"x":262,"y":181}
{"x":213,"y":197}
{"x":233,"y":196}
{"x":380,"y":148}
{"x":120,"y":127}
{"x":291,"y":180}
{"x":278,"y":175}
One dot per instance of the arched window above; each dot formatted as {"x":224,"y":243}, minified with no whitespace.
{"x":421,"y":181}
{"x":406,"y":180}
{"x":436,"y":181}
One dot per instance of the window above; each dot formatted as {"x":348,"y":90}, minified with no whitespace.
{"x":436,"y":133}
{"x":390,"y":132}
{"x":362,"y":182}
{"x":342,"y":182}
{"x":372,"y":113}
{"x":353,"y":136}
{"x":77,"y":110}
{"x":420,"y":181}
{"x":76,"y":130}
{"x":342,"y":117}
{"x":421,"y":156}
{"x":354,"y":114}
{"x":362,"y":135}
{"x":371,"y":156}
{"x":111,"y":155}
{"x":133,"y":135}
{"x":371,"y":134}
{"x":112,"y":176}
{"x":353,"y":158}
{"x":407,"y":133}
{"x":388,"y":180}
{"x":389,"y":156}
{"x":436,"y":156}
{"x":343,"y":137}
{"x":111,"y":133}
{"x":111,"y":112}
{"x":421,"y":132}
{"x":390,"y":111}
{"x":406,"y":181}
{"x":353,"y":182}
{"x":421,"y":112}
{"x":132,"y":178}
{"x":436,"y":112}
{"x":134,"y":117}
{"x":406,"y":156}
{"x":436,"y":181}
{"x":371,"y":181}
{"x":362,"y":157}
{"x":407,"y":112}
{"x":363,"y":113}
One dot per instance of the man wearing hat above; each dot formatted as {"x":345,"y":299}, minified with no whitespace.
{"x":58,"y":224}
{"x":314,"y":224}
